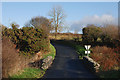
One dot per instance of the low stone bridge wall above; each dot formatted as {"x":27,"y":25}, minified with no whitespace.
{"x":91,"y":64}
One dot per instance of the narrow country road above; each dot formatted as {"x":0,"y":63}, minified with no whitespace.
{"x":67,"y":65}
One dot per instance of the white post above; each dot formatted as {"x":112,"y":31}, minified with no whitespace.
{"x":87,"y":47}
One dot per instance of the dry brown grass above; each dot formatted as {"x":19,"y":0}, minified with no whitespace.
{"x":106,"y":57}
{"x":63,"y":36}
{"x":11,"y":60}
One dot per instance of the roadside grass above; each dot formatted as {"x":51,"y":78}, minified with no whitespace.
{"x":30,"y":72}
{"x":52,"y":52}
{"x":81,"y":51}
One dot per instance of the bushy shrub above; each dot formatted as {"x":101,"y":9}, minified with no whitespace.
{"x":106,"y":57}
{"x":109,"y":33}
{"x":91,"y":33}
{"x":80,"y":50}
{"x":117,"y":49}
{"x":14,"y":25}
{"x":28,"y":39}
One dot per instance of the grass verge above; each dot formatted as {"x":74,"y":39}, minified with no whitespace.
{"x":29,"y":73}
{"x":34,"y":72}
{"x":80,"y":50}
{"x":52,"y":52}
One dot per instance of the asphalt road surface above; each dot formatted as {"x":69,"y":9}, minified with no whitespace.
{"x":67,"y":65}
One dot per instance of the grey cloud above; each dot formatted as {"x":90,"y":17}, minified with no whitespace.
{"x":95,"y":19}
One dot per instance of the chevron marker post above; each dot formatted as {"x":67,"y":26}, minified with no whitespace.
{"x":87,"y":47}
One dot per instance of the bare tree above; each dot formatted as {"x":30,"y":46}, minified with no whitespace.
{"x":57,"y":16}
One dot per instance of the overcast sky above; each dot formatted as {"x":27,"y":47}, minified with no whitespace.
{"x":79,"y":14}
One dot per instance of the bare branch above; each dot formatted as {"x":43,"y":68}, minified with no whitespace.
{"x":57,"y":16}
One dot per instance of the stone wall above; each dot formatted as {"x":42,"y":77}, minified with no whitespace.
{"x":91,"y":64}
{"x":47,"y":62}
{"x":42,"y":63}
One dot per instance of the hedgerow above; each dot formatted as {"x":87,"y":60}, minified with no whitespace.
{"x":28,"y":40}
{"x":107,"y":35}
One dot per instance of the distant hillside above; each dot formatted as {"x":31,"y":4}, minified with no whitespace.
{"x":62,"y":36}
